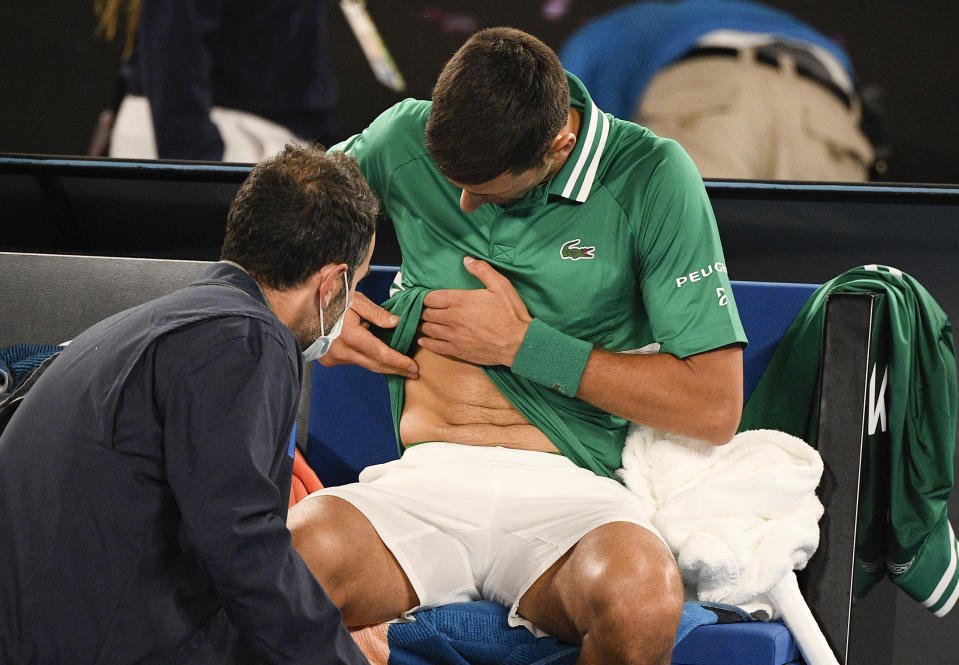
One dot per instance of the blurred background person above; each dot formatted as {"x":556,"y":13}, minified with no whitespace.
{"x":221,"y":80}
{"x":749,"y":91}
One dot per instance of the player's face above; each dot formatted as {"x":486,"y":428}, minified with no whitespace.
{"x":505,"y":188}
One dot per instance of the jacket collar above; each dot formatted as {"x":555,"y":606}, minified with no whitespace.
{"x":235,"y":275}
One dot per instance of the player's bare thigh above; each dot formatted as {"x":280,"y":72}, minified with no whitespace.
{"x":346,"y":555}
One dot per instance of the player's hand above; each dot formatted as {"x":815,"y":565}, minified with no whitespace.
{"x":356,"y":345}
{"x":482,"y":326}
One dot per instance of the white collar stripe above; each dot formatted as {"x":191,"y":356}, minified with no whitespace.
{"x":587,"y":145}
{"x":594,"y":164}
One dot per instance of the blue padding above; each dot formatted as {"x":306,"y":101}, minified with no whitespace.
{"x":376,"y":285}
{"x":757,"y":643}
{"x":350,"y":423}
{"x":766,"y":310}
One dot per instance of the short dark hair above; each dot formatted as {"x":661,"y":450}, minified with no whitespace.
{"x":497,"y":105}
{"x":298,"y":211}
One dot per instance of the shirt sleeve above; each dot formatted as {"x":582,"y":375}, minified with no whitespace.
{"x":683,"y":274}
{"x":176,"y":66}
{"x":228,"y":394}
{"x":394,"y":138}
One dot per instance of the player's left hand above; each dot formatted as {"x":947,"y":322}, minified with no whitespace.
{"x":482,"y":326}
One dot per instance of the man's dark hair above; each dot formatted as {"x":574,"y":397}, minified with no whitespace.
{"x":298,"y":211}
{"x":497,"y":105}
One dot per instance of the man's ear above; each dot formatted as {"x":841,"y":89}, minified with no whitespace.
{"x":562,"y":146}
{"x":329,"y":282}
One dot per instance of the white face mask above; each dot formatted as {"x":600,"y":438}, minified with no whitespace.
{"x":318,"y":349}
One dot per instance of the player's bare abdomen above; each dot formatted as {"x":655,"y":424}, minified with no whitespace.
{"x":455,"y":401}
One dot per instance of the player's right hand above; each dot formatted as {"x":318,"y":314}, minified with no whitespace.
{"x":356,"y":345}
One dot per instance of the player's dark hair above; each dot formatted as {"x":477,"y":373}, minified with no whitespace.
{"x":497,"y":106}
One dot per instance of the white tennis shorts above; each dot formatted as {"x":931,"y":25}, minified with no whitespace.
{"x":475,"y":522}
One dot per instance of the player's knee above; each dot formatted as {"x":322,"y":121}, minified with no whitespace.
{"x":648,"y":605}
{"x":633,"y":590}
{"x":649,"y":594}
{"x":320,"y":540}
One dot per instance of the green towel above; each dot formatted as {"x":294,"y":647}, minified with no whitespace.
{"x":903,"y":528}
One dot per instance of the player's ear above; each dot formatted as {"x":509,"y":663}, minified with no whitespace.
{"x":562,"y":145}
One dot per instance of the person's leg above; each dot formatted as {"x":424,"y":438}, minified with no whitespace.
{"x":349,"y":559}
{"x":618,"y":593}
{"x":388,"y":543}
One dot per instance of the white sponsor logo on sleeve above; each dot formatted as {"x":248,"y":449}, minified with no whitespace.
{"x":701,"y":274}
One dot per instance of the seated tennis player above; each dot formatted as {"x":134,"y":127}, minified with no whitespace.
{"x":541,"y":239}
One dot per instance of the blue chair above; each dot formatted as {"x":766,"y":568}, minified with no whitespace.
{"x":340,"y":444}
{"x":56,"y":296}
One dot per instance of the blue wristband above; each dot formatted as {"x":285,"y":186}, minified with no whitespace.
{"x":552,"y":358}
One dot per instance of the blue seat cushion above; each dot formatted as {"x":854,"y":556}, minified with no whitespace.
{"x":756,"y":643}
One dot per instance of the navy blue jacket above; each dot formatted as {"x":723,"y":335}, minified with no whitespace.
{"x":144,"y":485}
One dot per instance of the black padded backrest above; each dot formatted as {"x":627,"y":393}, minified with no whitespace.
{"x":50,"y":298}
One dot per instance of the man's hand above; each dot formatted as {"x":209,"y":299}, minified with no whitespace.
{"x":482,"y":326}
{"x":356,"y":345}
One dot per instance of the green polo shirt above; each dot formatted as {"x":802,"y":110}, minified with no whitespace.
{"x":620,"y":248}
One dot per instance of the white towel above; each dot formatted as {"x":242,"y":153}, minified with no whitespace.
{"x":738,"y":517}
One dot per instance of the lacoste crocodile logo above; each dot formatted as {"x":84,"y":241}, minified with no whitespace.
{"x":573,"y":253}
